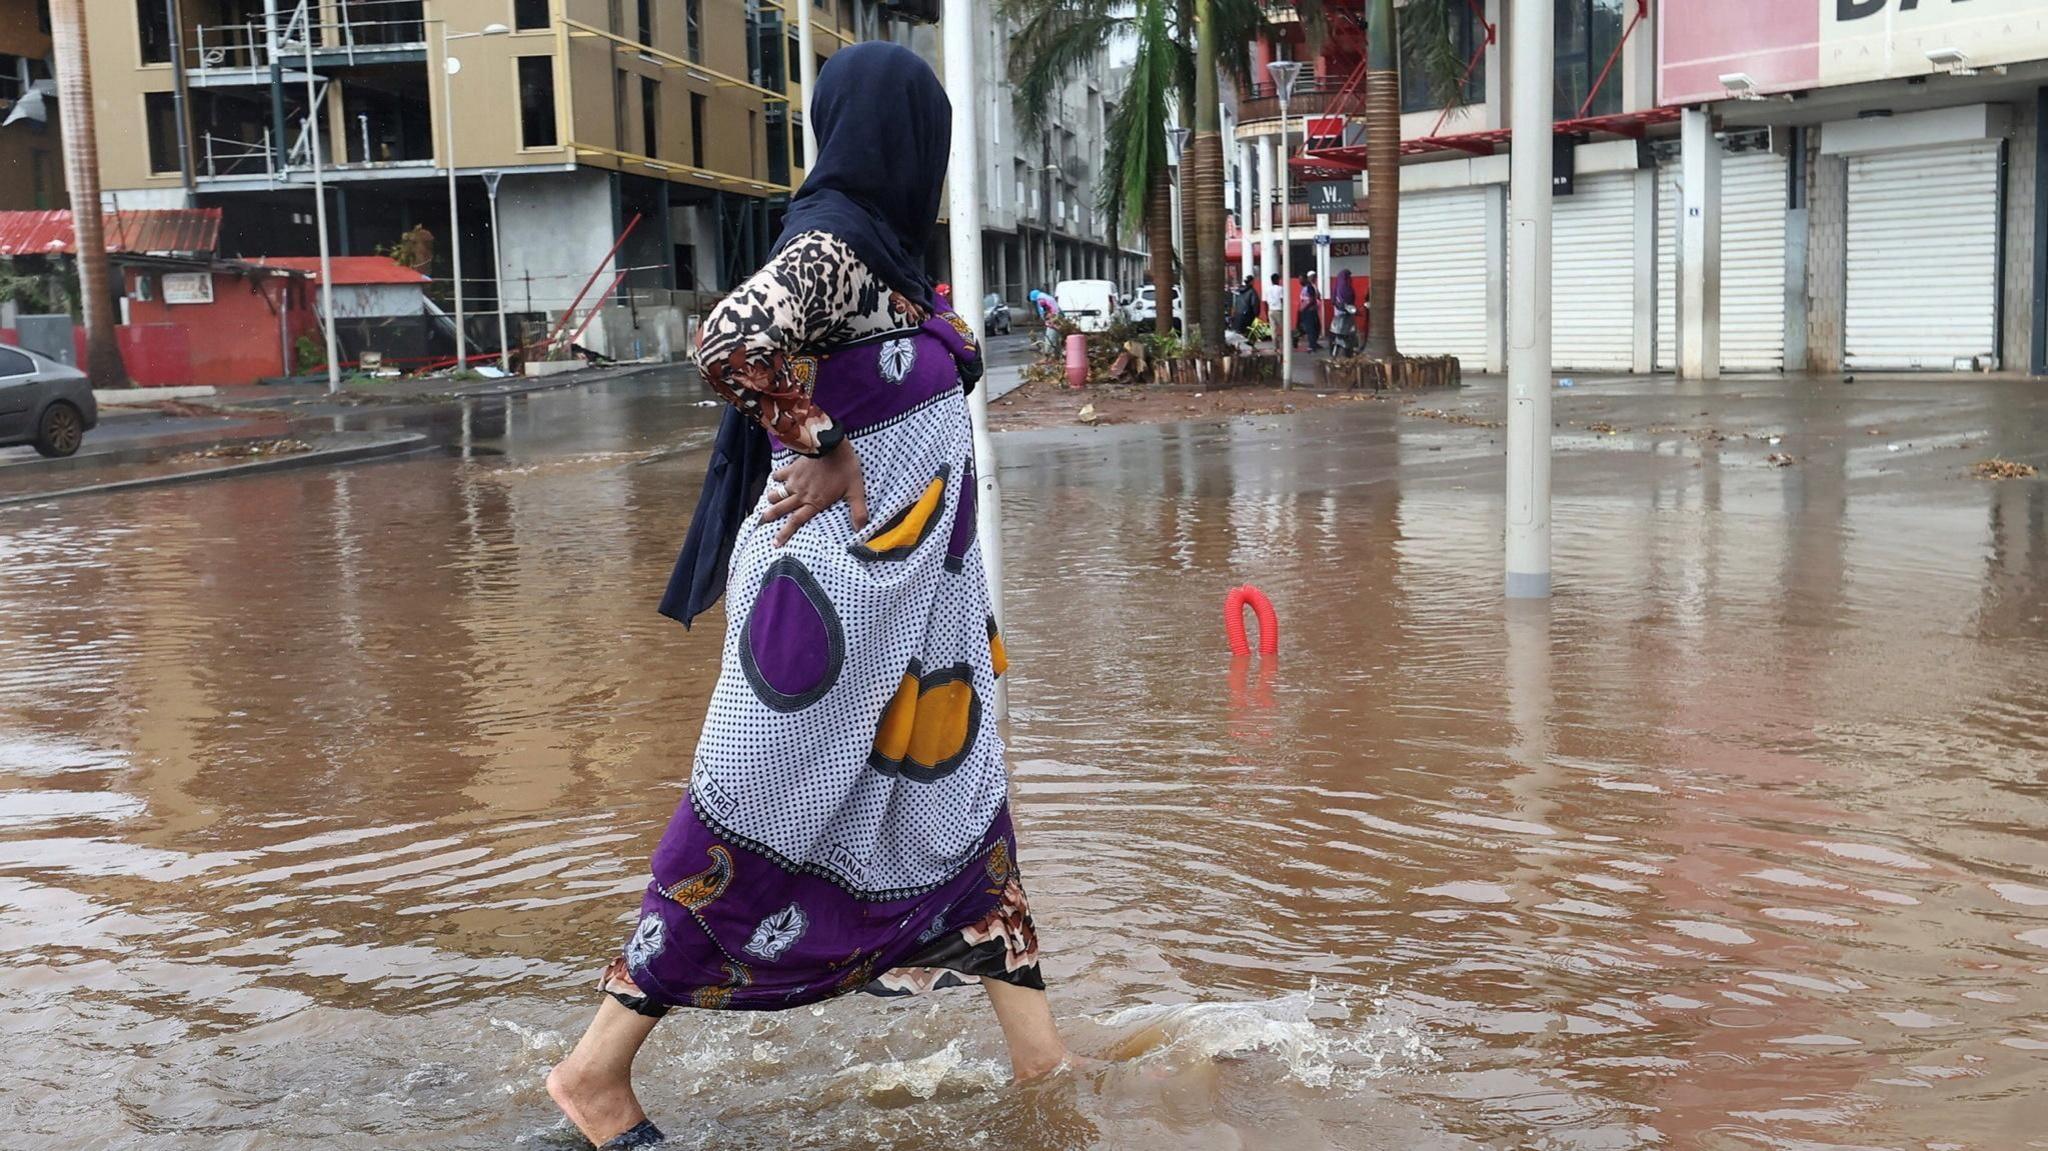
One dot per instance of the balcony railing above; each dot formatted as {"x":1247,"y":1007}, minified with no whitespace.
{"x":1312,"y":97}
{"x":245,"y":48}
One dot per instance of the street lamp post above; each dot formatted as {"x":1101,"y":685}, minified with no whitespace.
{"x":1285,"y":72}
{"x":491,"y":179}
{"x":449,"y":67}
{"x":1529,"y":304}
{"x":1176,"y":145}
{"x":320,"y":209}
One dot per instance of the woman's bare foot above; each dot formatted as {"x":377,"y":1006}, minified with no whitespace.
{"x":602,"y":1107}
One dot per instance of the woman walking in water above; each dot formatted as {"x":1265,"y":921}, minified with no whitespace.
{"x":847,"y":825}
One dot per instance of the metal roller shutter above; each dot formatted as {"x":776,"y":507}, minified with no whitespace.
{"x":1923,"y":257}
{"x":1592,"y":275}
{"x":1442,"y":265}
{"x":1752,"y":263}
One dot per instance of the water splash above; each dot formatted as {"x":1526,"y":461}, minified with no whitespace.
{"x":1288,"y":1027}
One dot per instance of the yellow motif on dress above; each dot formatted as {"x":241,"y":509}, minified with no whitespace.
{"x":720,"y":997}
{"x":966,"y":332}
{"x":696,"y":892}
{"x":998,"y":865}
{"x":802,"y":371}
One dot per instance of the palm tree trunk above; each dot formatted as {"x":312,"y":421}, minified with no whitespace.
{"x":82,"y":177}
{"x":1207,"y":169}
{"x":1191,"y":238}
{"x":1382,"y":172}
{"x":1159,"y":230}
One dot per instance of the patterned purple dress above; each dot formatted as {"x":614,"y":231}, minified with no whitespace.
{"x":846,"y":826}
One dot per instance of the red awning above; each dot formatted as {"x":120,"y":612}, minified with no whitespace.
{"x":147,"y":230}
{"x":1335,"y":163}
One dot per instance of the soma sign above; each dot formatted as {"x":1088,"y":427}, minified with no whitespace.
{"x":1789,"y":45}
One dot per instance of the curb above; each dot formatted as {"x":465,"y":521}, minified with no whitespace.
{"x":514,"y":386}
{"x":401,"y":445}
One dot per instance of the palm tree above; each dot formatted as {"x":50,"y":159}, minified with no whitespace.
{"x":82,"y":175}
{"x":1425,"y":25}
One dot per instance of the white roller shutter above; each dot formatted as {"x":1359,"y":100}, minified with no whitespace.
{"x":1669,"y":193}
{"x":1592,"y":275}
{"x":1923,"y":257}
{"x":1752,"y":263}
{"x":1442,"y":267}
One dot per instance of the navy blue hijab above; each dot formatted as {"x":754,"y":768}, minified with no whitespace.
{"x":884,"y":129}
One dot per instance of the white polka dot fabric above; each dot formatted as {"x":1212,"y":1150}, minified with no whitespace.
{"x":783,"y":765}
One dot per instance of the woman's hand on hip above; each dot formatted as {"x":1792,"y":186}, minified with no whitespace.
{"x":810,"y":484}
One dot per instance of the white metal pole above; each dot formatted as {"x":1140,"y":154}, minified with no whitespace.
{"x":498,"y":271}
{"x":449,"y":65}
{"x":1285,"y":328}
{"x":807,"y":75}
{"x":1244,"y":212}
{"x":965,"y":216}
{"x":320,"y":216}
{"x":1529,"y":194}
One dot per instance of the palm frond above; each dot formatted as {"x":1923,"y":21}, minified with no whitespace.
{"x":1426,"y":42}
{"x":1054,"y":39}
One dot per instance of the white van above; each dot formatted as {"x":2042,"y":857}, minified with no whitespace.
{"x":1090,"y":305}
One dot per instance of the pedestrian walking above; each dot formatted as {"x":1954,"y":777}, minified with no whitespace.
{"x":1310,"y":324}
{"x":847,"y":825}
{"x":1244,"y":306}
{"x":1276,"y":308}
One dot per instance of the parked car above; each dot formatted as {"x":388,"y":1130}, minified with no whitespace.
{"x":995,"y":319}
{"x":44,"y":403}
{"x":1090,"y":305}
{"x":1144,"y":307}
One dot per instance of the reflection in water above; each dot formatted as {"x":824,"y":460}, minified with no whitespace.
{"x":323,"y":795}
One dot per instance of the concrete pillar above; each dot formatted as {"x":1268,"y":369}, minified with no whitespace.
{"x":1496,"y":277}
{"x":1643,"y":358}
{"x":1244,"y":209}
{"x":1699,"y":247}
{"x":1002,"y":283}
{"x":1269,"y":188}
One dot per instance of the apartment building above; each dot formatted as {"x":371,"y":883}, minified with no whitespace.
{"x":32,"y":147}
{"x":1037,"y":190}
{"x":660,"y":128}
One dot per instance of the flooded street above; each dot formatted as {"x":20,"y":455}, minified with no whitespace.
{"x":325,"y":794}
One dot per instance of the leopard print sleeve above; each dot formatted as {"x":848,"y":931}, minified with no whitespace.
{"x":816,"y":293}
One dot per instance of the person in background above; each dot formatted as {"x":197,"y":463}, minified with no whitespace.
{"x":1342,"y":292}
{"x":1276,"y":307}
{"x":1244,"y":307}
{"x":1310,"y":324}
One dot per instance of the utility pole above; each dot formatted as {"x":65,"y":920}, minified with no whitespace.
{"x":807,"y":75}
{"x":1529,"y":196}
{"x":963,"y":178}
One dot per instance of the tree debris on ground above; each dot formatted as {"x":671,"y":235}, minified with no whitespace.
{"x":1466,"y":419}
{"x":1780,"y":460}
{"x":258,"y":449}
{"x":2003,"y":469}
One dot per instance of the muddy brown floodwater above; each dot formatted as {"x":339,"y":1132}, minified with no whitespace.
{"x":323,"y":795}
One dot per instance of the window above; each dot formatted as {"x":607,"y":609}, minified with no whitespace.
{"x":13,"y":363}
{"x":650,"y":117}
{"x":1467,"y":34}
{"x":537,"y":102}
{"x":527,"y":14}
{"x":153,"y":26}
{"x":796,"y":60}
{"x":693,"y":24}
{"x":796,"y":143}
{"x":10,"y":77}
{"x":647,"y":23}
{"x":1588,"y":32}
{"x":43,"y":16}
{"x":160,"y":112}
{"x":753,"y":143}
{"x":697,"y":129}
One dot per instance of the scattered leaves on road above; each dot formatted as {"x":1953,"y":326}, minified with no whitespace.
{"x":254,"y":450}
{"x":2003,"y":469}
{"x":1466,"y":419}
{"x":1780,"y":460}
